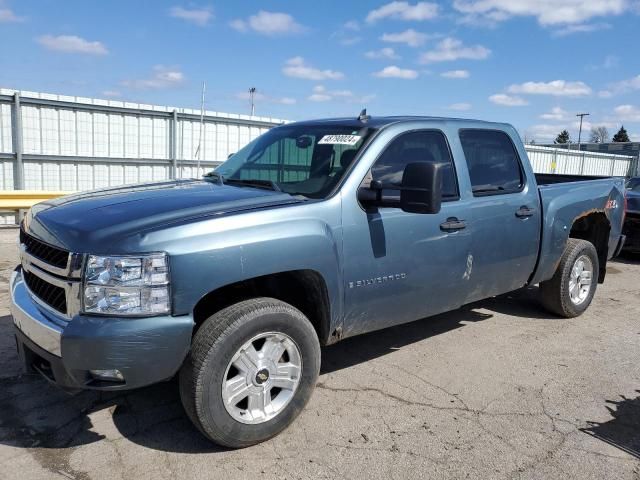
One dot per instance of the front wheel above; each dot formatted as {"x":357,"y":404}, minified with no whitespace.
{"x":251,"y":370}
{"x":570,"y":291}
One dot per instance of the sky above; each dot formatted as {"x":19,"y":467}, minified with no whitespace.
{"x":532,"y":63}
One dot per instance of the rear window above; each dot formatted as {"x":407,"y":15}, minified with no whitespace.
{"x":494,"y":164}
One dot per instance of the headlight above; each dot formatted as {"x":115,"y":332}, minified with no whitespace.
{"x":127,"y":285}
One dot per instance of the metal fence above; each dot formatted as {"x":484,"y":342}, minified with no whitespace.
{"x":576,"y":162}
{"x":61,"y":143}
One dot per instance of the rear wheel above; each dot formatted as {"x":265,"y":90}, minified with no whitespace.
{"x":570,"y":291}
{"x":251,"y":370}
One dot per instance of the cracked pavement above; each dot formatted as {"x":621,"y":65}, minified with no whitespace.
{"x":499,"y":389}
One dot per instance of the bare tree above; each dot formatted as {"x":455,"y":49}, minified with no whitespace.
{"x":599,"y":135}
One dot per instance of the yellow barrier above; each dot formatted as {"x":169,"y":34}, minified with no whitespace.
{"x":24,"y":199}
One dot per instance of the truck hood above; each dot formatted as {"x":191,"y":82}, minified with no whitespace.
{"x":92,"y":221}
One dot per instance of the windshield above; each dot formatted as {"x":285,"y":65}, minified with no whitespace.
{"x":634,"y":184}
{"x":304,"y":160}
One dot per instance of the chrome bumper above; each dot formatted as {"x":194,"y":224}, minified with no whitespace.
{"x":28,"y":318}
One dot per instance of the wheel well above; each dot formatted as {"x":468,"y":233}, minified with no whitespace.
{"x":303,"y":289}
{"x":595,"y":228}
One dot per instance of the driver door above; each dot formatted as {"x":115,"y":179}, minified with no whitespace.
{"x":401,"y":266}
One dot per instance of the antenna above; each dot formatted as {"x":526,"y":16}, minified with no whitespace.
{"x":252,"y":97}
{"x":363,"y":117}
{"x":199,"y":149}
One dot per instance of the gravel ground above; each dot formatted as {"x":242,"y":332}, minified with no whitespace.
{"x":499,"y":389}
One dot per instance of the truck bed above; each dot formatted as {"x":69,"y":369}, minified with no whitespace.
{"x":552,"y":178}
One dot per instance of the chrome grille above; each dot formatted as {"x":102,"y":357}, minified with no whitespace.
{"x":52,"y":295}
{"x":51,"y":275}
{"x":52,"y":255}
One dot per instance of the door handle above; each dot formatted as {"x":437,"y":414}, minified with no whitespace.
{"x":453,"y":225}
{"x":524,"y":212}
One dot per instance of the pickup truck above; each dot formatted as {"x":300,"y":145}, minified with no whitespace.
{"x":314,"y":232}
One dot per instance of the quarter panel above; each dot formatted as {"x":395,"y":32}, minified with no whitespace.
{"x":563,"y":204}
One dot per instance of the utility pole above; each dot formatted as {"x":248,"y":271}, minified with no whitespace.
{"x":581,"y":115}
{"x":252,"y":97}
{"x":199,"y":150}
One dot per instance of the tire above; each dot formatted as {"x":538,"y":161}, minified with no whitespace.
{"x":556,"y":293}
{"x":208,"y":370}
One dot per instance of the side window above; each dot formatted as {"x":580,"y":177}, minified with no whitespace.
{"x":418,"y":146}
{"x":494,"y":165}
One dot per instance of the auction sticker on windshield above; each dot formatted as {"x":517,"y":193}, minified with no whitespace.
{"x":340,"y":139}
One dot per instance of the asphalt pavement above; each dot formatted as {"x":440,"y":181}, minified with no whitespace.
{"x":498,"y":389}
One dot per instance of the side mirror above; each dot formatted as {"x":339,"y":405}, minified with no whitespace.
{"x":421,"y":190}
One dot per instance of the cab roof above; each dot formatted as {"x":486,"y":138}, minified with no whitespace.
{"x":381,"y":122}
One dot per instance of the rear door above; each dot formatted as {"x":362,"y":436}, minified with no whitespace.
{"x":504,"y":212}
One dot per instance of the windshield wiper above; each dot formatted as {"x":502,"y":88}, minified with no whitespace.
{"x":254,"y":182}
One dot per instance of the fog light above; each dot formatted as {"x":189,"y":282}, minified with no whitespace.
{"x":107,"y":375}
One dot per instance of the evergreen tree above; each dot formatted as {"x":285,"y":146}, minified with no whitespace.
{"x":621,"y":136}
{"x":563,"y":137}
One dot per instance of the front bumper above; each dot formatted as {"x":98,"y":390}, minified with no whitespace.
{"x":144,"y":350}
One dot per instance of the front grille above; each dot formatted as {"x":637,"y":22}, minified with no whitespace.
{"x":51,"y":255}
{"x":52,"y":295}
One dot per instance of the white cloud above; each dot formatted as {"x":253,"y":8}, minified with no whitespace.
{"x":451,"y":49}
{"x":296,"y":67}
{"x":404,"y":11}
{"x":556,"y":88}
{"x":268,"y":23}
{"x":111,"y":93}
{"x":347,"y":40}
{"x":547,"y":12}
{"x":347,"y":33}
{"x":319,"y":97}
{"x":8,"y":16}
{"x":197,"y":16}
{"x":609,"y":62}
{"x":455,"y":74}
{"x":556,"y":113}
{"x":621,"y":87}
{"x":545,"y":132}
{"x":386,"y":52}
{"x":581,"y":28}
{"x":352,"y":25}
{"x":393,"y":71}
{"x":321,"y":94}
{"x":410,"y":37}
{"x":72,"y":44}
{"x":260,"y":97}
{"x":162,"y":77}
{"x":627,"y":113}
{"x":459,"y":107}
{"x":508,"y":100}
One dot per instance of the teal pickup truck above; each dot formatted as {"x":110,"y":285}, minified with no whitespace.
{"x":314,"y":232}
